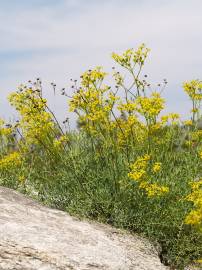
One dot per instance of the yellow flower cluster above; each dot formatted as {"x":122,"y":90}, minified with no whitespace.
{"x":194,"y":110}
{"x":139,"y":165}
{"x":36,"y":123}
{"x":154,"y":128}
{"x":21,"y":179}
{"x":131,"y":120}
{"x":196,"y":135}
{"x":119,"y":79}
{"x":127,"y":107}
{"x":91,"y":77}
{"x":93,"y":102}
{"x":157,"y":167}
{"x":27,"y":101}
{"x":139,"y":172}
{"x":57,"y":143}
{"x":138,"y":168}
{"x":127,"y":128}
{"x":153,"y":189}
{"x":199,"y":261}
{"x":195,"y":216}
{"x":37,"y":128}
{"x":173,"y":117}
{"x":131,"y":57}
{"x":4,"y":131}
{"x":188,"y":122}
{"x":10,"y":161}
{"x":150,"y":107}
{"x":193,"y":89}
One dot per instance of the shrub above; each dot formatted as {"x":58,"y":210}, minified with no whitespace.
{"x":127,"y":164}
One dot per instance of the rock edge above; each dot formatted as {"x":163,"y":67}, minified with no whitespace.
{"x":35,"y":237}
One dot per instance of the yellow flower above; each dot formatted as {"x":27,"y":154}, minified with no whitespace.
{"x":90,"y":77}
{"x":200,"y":154}
{"x":57,"y":143}
{"x":188,"y":122}
{"x":140,"y":174}
{"x":21,"y":179}
{"x":131,"y":56}
{"x":138,"y":168}
{"x":11,"y":160}
{"x":5,"y":131}
{"x":157,"y":167}
{"x":193,"y":89}
{"x":195,"y":110}
{"x":1,"y":122}
{"x":36,"y":124}
{"x":199,"y":261}
{"x":137,"y":175}
{"x":128,"y":107}
{"x":150,"y":106}
{"x":195,"y":216}
{"x":172,"y":117}
{"x":155,"y":190}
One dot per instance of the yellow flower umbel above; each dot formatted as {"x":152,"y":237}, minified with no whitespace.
{"x":22,"y":179}
{"x":153,"y":189}
{"x":138,"y":168}
{"x":60,"y":142}
{"x":131,"y":56}
{"x":150,"y":107}
{"x":93,"y":102}
{"x":188,"y":122}
{"x":129,"y":129}
{"x":36,"y":123}
{"x":157,"y":167}
{"x":171,"y":118}
{"x":5,"y":130}
{"x":195,"y":216}
{"x":139,"y":172}
{"x":194,"y":90}
{"x":10,"y":161}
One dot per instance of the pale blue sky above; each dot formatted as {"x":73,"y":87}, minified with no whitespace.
{"x":58,"y":39}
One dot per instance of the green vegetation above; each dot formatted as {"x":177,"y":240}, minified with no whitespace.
{"x":127,"y":164}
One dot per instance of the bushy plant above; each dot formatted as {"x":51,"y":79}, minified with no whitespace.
{"x":127,"y":164}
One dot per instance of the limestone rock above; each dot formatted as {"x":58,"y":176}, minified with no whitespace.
{"x":34,"y":237}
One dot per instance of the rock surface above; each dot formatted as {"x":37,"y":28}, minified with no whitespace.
{"x":34,"y":237}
